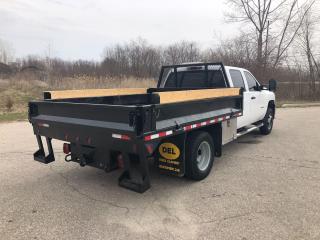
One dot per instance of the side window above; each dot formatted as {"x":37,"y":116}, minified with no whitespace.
{"x":252,"y":83}
{"x":236,"y":78}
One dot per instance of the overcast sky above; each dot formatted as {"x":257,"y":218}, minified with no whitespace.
{"x":83,"y":28}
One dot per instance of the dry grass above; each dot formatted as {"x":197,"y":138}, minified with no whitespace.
{"x":16,"y":92}
{"x":21,"y":91}
{"x":85,"y":82}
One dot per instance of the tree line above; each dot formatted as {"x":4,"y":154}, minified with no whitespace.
{"x":278,"y":40}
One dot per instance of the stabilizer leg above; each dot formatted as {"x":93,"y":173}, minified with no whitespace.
{"x":136,"y":172}
{"x":40,"y":154}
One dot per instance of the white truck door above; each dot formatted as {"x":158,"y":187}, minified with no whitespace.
{"x":257,"y":108}
{"x":237,"y":80}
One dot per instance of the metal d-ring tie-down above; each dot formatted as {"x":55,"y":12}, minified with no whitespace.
{"x":67,"y":156}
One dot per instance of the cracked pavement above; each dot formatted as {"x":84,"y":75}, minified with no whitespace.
{"x":263,"y":187}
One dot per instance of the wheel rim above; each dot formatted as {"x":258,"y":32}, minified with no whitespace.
{"x":203,"y":156}
{"x":270,"y":120}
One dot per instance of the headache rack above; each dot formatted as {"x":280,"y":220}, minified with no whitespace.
{"x":167,"y":69}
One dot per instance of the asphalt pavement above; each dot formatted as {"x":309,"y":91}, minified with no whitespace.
{"x":263,"y":187}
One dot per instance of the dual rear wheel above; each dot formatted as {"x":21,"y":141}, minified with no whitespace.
{"x":199,"y":155}
{"x":200,"y":149}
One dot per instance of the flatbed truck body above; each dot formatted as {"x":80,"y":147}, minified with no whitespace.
{"x":129,"y":128}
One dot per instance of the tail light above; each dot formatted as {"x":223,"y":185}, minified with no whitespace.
{"x":150,"y":148}
{"x":66,"y":148}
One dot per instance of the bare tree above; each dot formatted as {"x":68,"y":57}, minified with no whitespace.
{"x":291,"y":26}
{"x":273,"y":21}
{"x":137,"y":58}
{"x":6,"y":52}
{"x":182,"y":52}
{"x":306,"y":43}
{"x":237,"y":51}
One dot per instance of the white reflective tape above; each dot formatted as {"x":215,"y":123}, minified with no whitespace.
{"x":169,"y":132}
{"x":203,"y":123}
{"x":116,"y":135}
{"x":220,"y":119}
{"x":154,"y":136}
{"x":43,"y":125}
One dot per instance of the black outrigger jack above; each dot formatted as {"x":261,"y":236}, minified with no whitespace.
{"x":136,"y":175}
{"x":40,"y":155}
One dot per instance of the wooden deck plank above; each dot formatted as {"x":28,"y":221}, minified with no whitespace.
{"x":190,"y":95}
{"x":64,"y":94}
{"x":165,"y":97}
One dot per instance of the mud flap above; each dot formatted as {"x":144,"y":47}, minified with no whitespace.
{"x":170,"y":155}
{"x":217,"y":139}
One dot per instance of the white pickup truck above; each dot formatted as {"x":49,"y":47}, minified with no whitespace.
{"x":181,"y":125}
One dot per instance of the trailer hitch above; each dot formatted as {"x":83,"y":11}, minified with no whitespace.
{"x":40,"y":155}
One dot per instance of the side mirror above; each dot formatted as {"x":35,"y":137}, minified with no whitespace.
{"x":257,"y":88}
{"x":272,"y":85}
{"x":260,"y":88}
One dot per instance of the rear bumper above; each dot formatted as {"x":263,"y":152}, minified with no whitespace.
{"x":135,"y":175}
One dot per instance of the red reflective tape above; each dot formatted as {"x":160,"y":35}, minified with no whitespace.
{"x":125,"y":137}
{"x":162,"y":134}
{"x":147,"y":138}
{"x":158,"y":135}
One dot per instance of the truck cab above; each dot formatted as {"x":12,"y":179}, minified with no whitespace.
{"x":256,"y":98}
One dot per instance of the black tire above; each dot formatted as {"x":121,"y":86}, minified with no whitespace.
{"x":267,"y":122}
{"x":194,"y":169}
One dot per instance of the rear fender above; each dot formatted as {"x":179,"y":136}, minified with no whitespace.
{"x":215,"y":132}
